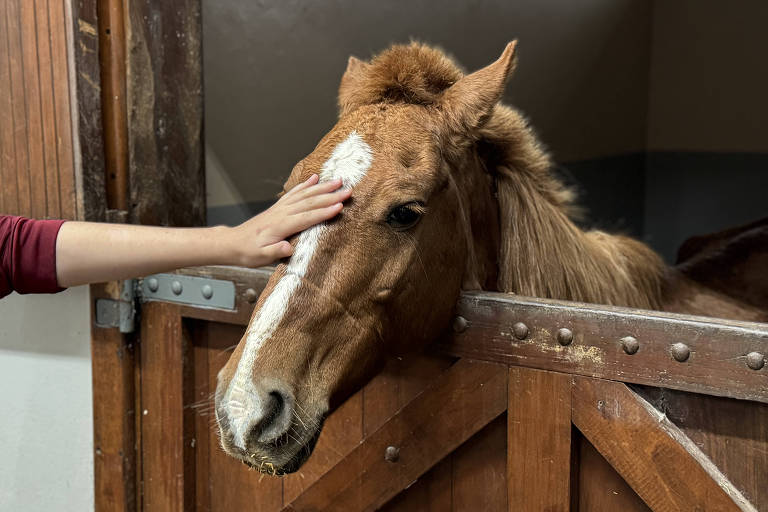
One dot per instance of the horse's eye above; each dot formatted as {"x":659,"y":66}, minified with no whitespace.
{"x":405,"y":216}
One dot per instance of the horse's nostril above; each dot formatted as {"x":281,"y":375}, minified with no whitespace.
{"x":276,"y":418}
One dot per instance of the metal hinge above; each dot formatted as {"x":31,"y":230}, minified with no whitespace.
{"x":193,"y":291}
{"x":118,"y":313}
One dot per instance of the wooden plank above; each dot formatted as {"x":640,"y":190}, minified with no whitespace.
{"x":114,"y":439}
{"x":9,"y":188}
{"x":60,"y":33}
{"x":90,"y":187}
{"x":462,"y":401}
{"x":30,"y":67}
{"x":47,"y":109}
{"x":165,"y":112}
{"x":539,"y":440}
{"x":18,"y":106}
{"x":430,"y":493}
{"x":729,"y":432}
{"x":600,"y":487}
{"x":718,"y":348}
{"x":113,"y":68}
{"x":163,"y":349}
{"x":480,"y":470}
{"x":666,"y":469}
{"x":201,"y":407}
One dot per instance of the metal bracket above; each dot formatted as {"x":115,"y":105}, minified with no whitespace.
{"x":118,"y":313}
{"x":195,"y":291}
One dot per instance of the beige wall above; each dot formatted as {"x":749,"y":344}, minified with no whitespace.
{"x":709,"y":76}
{"x":272,"y":70}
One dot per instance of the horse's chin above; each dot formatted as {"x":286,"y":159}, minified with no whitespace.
{"x":276,"y":460}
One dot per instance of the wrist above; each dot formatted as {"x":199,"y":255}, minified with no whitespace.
{"x":226,"y":249}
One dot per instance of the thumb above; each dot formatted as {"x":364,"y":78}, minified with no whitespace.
{"x":276,"y":251}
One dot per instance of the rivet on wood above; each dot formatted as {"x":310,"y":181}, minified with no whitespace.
{"x":176,"y":287}
{"x":755,"y":360}
{"x":391,"y":454}
{"x":629,"y":344}
{"x":680,"y":352}
{"x":459,"y":324}
{"x":564,"y":336}
{"x":153,"y":284}
{"x":207,"y":291}
{"x":250,"y":295}
{"x":520,"y":330}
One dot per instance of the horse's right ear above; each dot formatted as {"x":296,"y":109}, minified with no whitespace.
{"x":468,"y":103}
{"x":356,"y":68}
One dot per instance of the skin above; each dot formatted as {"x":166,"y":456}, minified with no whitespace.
{"x":88,"y":252}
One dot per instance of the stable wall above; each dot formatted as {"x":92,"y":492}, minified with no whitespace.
{"x":47,"y":421}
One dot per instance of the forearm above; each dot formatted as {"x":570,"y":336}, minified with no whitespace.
{"x":90,"y":252}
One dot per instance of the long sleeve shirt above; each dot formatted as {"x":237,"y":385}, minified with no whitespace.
{"x":28,"y":255}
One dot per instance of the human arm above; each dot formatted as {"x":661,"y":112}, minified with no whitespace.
{"x":92,"y":252}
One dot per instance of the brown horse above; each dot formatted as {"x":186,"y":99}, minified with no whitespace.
{"x":451,"y":191}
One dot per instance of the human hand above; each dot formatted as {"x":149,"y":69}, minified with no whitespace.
{"x":262,"y":239}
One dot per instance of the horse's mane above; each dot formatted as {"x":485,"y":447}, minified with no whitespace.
{"x":543,"y":253}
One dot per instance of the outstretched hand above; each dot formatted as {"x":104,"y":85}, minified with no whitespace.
{"x":262,"y":239}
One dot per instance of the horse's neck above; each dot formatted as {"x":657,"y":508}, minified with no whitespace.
{"x":544,"y":254}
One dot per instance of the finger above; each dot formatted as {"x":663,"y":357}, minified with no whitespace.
{"x":313,"y":179}
{"x":320,"y":188}
{"x":277,"y":251}
{"x":304,"y":220}
{"x":319,"y":201}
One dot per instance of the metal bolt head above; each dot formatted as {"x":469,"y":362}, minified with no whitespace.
{"x":176,"y":287}
{"x":520,"y":330}
{"x":755,"y":360}
{"x":564,"y":336}
{"x":459,"y":324}
{"x":153,"y":284}
{"x":207,"y":291}
{"x":680,"y":352}
{"x":250,"y":295}
{"x":630,"y":344}
{"x":391,"y":454}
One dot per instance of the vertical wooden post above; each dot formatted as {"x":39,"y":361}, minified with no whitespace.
{"x":539,"y":440}
{"x":163,"y":352}
{"x":114,"y":412}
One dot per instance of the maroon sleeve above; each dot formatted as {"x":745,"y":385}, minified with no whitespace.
{"x":28,"y":255}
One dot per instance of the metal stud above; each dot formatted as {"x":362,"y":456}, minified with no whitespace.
{"x":459,"y":324}
{"x":564,"y":336}
{"x":391,"y":454}
{"x":250,"y":295}
{"x":176,"y":287}
{"x":680,"y":352}
{"x":207,"y":291}
{"x":755,"y":360}
{"x":153,"y":284}
{"x":630,"y":344}
{"x":520,"y":330}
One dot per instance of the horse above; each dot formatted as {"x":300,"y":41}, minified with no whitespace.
{"x":452,"y":191}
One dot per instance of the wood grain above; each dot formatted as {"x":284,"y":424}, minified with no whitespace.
{"x":163,"y":350}
{"x":165,"y":112}
{"x":539,"y":440}
{"x":600,"y":487}
{"x":716,"y":366}
{"x":462,"y":401}
{"x":658,"y":461}
{"x":114,"y":414}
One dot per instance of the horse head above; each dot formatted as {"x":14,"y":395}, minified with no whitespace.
{"x":432,"y":160}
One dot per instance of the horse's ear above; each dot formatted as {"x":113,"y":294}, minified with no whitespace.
{"x":356,"y":68}
{"x":468,"y":103}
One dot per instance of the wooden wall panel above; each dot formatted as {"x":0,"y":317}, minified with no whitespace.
{"x":37,"y":169}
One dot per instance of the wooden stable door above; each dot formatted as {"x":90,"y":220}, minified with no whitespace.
{"x":440,"y":432}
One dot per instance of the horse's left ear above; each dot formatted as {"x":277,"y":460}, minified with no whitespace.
{"x":468,"y":103}
{"x":356,"y":68}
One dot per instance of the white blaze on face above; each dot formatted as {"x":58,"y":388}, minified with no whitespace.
{"x":350,"y":161}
